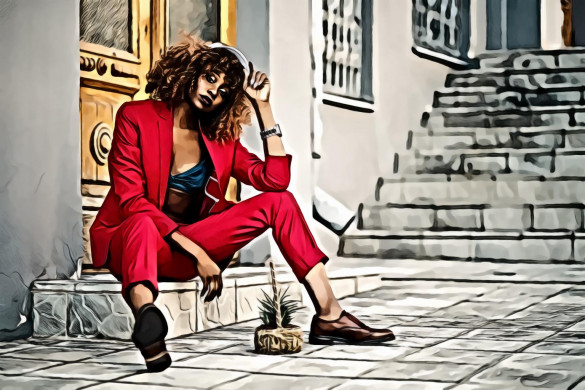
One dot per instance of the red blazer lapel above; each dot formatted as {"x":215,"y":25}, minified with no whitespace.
{"x":222,"y":158}
{"x":221,"y":154}
{"x":165,"y":142}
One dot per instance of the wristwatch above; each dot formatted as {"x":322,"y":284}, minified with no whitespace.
{"x":270,"y":132}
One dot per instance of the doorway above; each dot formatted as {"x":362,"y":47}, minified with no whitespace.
{"x":513,"y":24}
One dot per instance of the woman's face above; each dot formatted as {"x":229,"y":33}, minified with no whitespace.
{"x":211,"y":91}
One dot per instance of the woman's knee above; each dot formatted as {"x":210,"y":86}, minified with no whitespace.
{"x":139,"y":224}
{"x":278,"y":200}
{"x":279,"y":204}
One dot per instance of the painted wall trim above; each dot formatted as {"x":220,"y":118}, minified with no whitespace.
{"x":343,"y":102}
{"x":452,"y":62}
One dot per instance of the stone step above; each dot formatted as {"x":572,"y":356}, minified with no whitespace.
{"x":475,"y":217}
{"x":546,"y":162}
{"x":468,"y":90}
{"x":469,"y":80}
{"x":540,"y":247}
{"x":559,"y":116}
{"x":541,"y":80}
{"x":412,"y":271}
{"x":534,"y":59}
{"x":493,"y":139}
{"x":510,"y":98}
{"x":94,"y":307}
{"x":523,"y":63}
{"x":510,"y":189}
{"x":456,"y":130}
{"x":510,"y":137}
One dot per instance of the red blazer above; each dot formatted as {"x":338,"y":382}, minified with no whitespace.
{"x":139,"y":164}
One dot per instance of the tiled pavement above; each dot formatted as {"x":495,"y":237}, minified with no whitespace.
{"x":464,"y":335}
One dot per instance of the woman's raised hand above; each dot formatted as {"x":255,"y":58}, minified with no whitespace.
{"x":257,"y":85}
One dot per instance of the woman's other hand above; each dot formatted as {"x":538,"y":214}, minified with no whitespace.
{"x":210,"y":275}
{"x":208,"y":271}
{"x":257,"y":85}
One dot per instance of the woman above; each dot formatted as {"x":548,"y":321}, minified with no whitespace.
{"x":166,"y":215}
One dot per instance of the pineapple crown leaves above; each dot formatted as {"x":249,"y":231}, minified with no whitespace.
{"x":288,"y":307}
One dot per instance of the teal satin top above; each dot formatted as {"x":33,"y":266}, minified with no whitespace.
{"x":193,"y":179}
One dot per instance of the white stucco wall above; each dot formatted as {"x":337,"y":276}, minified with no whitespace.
{"x":291,"y":76}
{"x":290,"y":71}
{"x":357,"y":147}
{"x":40,"y":170}
{"x":478,"y":27}
{"x":550,"y":24}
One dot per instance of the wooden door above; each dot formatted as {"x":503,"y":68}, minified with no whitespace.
{"x":119,"y":42}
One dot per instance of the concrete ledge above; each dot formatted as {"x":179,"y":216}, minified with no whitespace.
{"x":93,"y":307}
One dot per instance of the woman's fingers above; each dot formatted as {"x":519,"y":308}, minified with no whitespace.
{"x":205,"y":286}
{"x":257,"y":77}
{"x":220,"y":287}
{"x":212,"y":290}
{"x":262,"y":81}
{"x":251,"y":74}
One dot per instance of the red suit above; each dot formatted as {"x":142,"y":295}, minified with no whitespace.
{"x":128,"y":233}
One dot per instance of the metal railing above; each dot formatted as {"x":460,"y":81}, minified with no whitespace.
{"x":441,"y":28}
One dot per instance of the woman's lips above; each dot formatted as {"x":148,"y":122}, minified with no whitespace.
{"x":206,"y":101}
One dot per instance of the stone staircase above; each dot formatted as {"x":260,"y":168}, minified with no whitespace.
{"x":495,"y":173}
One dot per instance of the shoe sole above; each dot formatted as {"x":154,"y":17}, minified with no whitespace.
{"x":156,"y":321}
{"x":159,"y":364}
{"x":331,"y":340}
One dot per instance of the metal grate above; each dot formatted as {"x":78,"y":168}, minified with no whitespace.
{"x":442,"y":26}
{"x":347,"y":31}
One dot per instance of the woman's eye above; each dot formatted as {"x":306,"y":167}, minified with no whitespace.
{"x":210,"y":79}
{"x":223,"y":93}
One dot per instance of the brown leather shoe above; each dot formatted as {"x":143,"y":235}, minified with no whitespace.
{"x":346,"y":330}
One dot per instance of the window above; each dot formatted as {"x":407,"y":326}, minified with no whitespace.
{"x":105,"y":22}
{"x":347,"y":50}
{"x":200,"y":17}
{"x":440,"y":30}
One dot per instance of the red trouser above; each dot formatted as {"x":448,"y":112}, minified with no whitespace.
{"x":138,"y":253}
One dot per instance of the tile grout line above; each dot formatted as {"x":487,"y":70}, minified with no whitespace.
{"x":537,"y":303}
{"x":507,"y":355}
{"x":520,"y":350}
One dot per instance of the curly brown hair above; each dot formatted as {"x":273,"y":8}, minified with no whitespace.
{"x":174,"y":77}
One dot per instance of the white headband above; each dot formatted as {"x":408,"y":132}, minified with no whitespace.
{"x":239,"y":55}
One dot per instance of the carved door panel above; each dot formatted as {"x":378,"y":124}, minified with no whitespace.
{"x":119,"y":40}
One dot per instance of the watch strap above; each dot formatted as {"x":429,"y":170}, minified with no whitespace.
{"x":270,"y":132}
